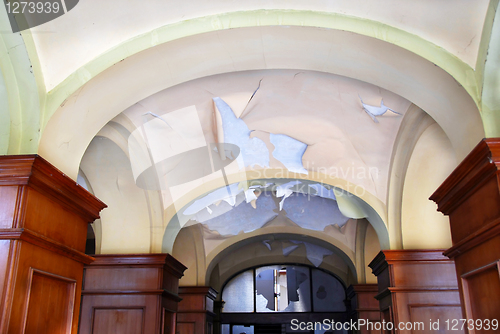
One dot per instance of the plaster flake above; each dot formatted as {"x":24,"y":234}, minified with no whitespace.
{"x":253,"y":150}
{"x":284,"y":191}
{"x":288,"y":250}
{"x":374,"y":111}
{"x":227,"y":194}
{"x":244,"y":218}
{"x":314,"y":212}
{"x":314,"y":253}
{"x":289,"y":152}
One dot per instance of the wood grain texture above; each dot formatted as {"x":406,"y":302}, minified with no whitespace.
{"x":364,"y":305}
{"x":413,"y":284}
{"x":471,"y":198}
{"x":196,"y":310}
{"x":125,"y":283}
{"x":43,"y":222}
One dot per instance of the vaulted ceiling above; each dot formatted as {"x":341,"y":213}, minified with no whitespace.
{"x":115,"y":87}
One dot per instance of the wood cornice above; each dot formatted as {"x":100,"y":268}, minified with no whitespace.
{"x":198,"y":290}
{"x":167,"y":261}
{"x":478,"y":237}
{"x":357,"y":288}
{"x":162,"y":292}
{"x":481,"y":164}
{"x":46,"y":243}
{"x":388,"y":257}
{"x":414,"y":255}
{"x":37,"y":173}
{"x":132,"y":260}
{"x":389,"y":290}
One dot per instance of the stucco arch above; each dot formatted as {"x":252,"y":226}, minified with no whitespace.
{"x":364,"y":58}
{"x":366,"y":204}
{"x":232,"y":244}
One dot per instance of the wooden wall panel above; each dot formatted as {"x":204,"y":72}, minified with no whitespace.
{"x":118,"y":286}
{"x":364,"y":305}
{"x":434,"y":317}
{"x":186,"y":327}
{"x":195,"y":311}
{"x":43,"y":221}
{"x":422,"y":285}
{"x":482,"y":292}
{"x":123,"y":321}
{"x":471,"y":198}
{"x":50,"y":302}
{"x":8,"y":194}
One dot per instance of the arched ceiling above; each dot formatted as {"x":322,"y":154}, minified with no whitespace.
{"x":83,"y":82}
{"x":69,"y":52}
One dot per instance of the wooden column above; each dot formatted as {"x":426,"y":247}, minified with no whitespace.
{"x":43,"y":230}
{"x":364,"y":305}
{"x":130,"y":294}
{"x":196,"y":310}
{"x":470,"y":196}
{"x":416,"y":286}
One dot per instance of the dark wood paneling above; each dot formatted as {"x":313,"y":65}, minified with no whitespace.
{"x":471,"y":198}
{"x":195,"y":311}
{"x":116,"y":286}
{"x":364,"y":305}
{"x":43,"y":221}
{"x":186,"y":327}
{"x":416,"y":285}
{"x":123,"y":321}
{"x":50,"y":302}
{"x":481,"y":285}
{"x":433,"y":317}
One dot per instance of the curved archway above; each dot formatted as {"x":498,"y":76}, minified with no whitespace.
{"x":92,"y":106}
{"x":366,"y":206}
{"x":272,"y":233}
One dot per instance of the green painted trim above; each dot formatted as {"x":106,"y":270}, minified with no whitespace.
{"x":4,"y":117}
{"x":461,"y":71}
{"x":490,"y":107}
{"x":30,"y":46}
{"x":24,"y":106}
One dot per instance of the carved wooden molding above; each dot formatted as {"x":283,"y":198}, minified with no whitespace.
{"x":37,"y":173}
{"x":166,"y":261}
{"x":479,"y":166}
{"x":387,"y":257}
{"x":199,"y":290}
{"x":478,"y":237}
{"x":44,"y":242}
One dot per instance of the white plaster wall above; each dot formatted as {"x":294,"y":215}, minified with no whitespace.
{"x":94,"y":26}
{"x":372,"y":248}
{"x":125,"y":223}
{"x":431,"y":162}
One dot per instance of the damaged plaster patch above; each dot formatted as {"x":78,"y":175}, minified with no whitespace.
{"x":374,"y":111}
{"x":317,"y":214}
{"x":289,"y":152}
{"x":253,"y":150}
{"x":285,"y":191}
{"x":314,"y":252}
{"x":227,"y":194}
{"x":311,"y":207}
{"x":288,"y":250}
{"x":322,"y":191}
{"x":244,"y":218}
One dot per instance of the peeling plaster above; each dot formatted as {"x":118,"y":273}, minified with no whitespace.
{"x":314,"y":252}
{"x":289,"y":152}
{"x":253,"y":150}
